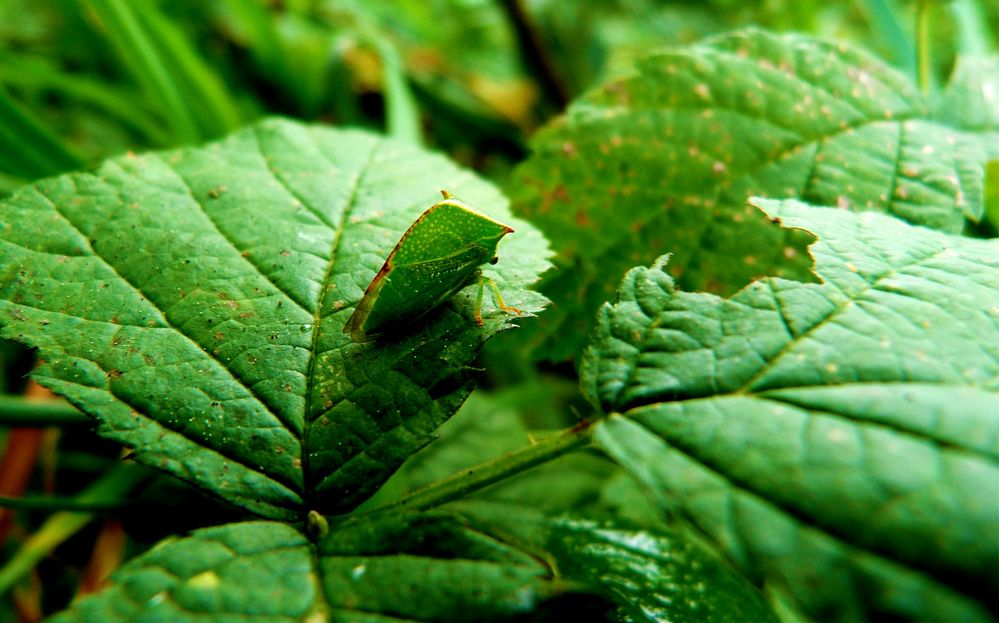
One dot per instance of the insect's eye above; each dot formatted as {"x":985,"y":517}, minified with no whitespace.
{"x":494,"y":260}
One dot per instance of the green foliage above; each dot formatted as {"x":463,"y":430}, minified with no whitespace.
{"x":771,"y":422}
{"x":261,"y":570}
{"x":839,"y":434}
{"x":650,"y":575}
{"x":194,"y":301}
{"x":665,"y":158}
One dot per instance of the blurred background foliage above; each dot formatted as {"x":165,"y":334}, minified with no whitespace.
{"x":81,"y":80}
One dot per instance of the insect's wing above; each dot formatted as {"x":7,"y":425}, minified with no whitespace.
{"x":410,"y":291}
{"x":357,"y":321}
{"x":438,"y":255}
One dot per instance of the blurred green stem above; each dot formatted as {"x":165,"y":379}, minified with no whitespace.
{"x":973,"y":37}
{"x":886,"y":26}
{"x":535,"y":55}
{"x":923,"y":45}
{"x":34,"y":73}
{"x":28,"y":149}
{"x":113,"y":487}
{"x":54,"y":503}
{"x":402,"y":115}
{"x":137,"y":52}
{"x":16,"y":411}
{"x":485,"y":474}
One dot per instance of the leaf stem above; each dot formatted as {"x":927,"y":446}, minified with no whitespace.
{"x":16,"y":411}
{"x":923,"y":45}
{"x":886,"y":26}
{"x":114,"y":486}
{"x":401,"y":112}
{"x":534,"y":54}
{"x":485,"y":474}
{"x":58,"y":503}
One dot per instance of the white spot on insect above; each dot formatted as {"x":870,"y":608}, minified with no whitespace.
{"x":843,"y":202}
{"x":850,"y":267}
{"x":831,"y":368}
{"x":358,"y":572}
{"x":702,"y":90}
{"x":718,"y":166}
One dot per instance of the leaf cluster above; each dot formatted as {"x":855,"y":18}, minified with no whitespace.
{"x":755,"y":373}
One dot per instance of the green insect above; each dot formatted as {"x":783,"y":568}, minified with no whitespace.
{"x":439,"y":254}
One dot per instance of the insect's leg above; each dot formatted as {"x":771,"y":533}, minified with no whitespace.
{"x":498,"y":297}
{"x":478,"y":301}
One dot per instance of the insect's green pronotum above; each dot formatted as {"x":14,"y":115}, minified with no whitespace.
{"x":439,"y":254}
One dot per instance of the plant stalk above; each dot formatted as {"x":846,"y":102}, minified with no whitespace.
{"x":492,"y":471}
{"x":17,"y":411}
{"x":923,"y":45}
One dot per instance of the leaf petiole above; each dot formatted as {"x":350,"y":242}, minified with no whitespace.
{"x":494,"y":470}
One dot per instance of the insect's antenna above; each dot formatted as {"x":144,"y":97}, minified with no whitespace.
{"x":446,"y":194}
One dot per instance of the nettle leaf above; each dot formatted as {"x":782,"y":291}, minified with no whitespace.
{"x":840,"y":438}
{"x":664,"y":160}
{"x":193,"y":302}
{"x":254,"y":571}
{"x":429,"y":567}
{"x":649,"y":575}
{"x":404,"y":568}
{"x":971,"y":100}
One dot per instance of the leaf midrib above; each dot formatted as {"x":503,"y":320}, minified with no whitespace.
{"x":317,"y":325}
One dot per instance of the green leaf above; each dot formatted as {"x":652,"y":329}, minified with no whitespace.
{"x":971,"y":100}
{"x":408,"y":567}
{"x":650,"y":575}
{"x":430,"y":566}
{"x":837,"y":438}
{"x":254,"y":571}
{"x":193,"y":302}
{"x":664,"y":159}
